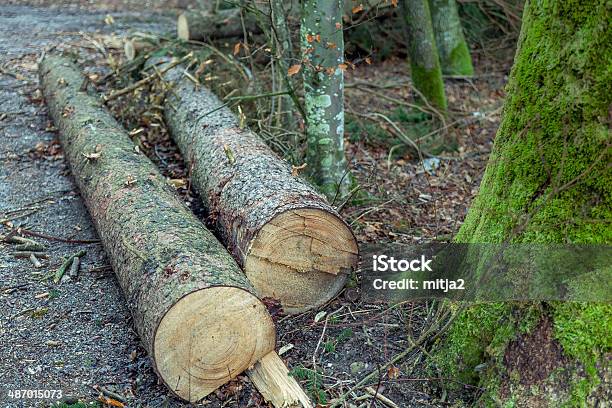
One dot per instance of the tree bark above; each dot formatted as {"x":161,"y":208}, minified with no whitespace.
{"x":204,"y":25}
{"x":280,"y":42}
{"x":322,"y":45}
{"x":548,"y":181}
{"x":454,"y":53}
{"x":292,"y":245}
{"x":424,"y":61}
{"x":194,"y":310}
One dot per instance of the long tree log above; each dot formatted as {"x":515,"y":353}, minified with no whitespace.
{"x":193,"y":308}
{"x":203,"y":25}
{"x":293,"y":246}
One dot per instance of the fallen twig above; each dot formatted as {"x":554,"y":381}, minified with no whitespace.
{"x":24,"y":231}
{"x":67,"y":263}
{"x":146,"y":80}
{"x":35,"y":261}
{"x":27,"y":254}
{"x":428,"y":335}
{"x":381,"y":397}
{"x":74,"y":268}
{"x":109,"y":393}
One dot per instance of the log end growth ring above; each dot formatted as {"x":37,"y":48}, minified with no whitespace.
{"x":302,"y":258}
{"x":209,"y":337}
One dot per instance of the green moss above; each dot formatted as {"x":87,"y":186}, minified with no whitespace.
{"x":480,"y":336}
{"x":547,"y":181}
{"x":459,"y":62}
{"x":429,"y":83}
{"x":584,"y":330}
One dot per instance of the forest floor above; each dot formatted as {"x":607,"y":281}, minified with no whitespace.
{"x":76,"y":335}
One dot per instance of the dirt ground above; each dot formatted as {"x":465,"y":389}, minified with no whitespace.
{"x":78,"y":334}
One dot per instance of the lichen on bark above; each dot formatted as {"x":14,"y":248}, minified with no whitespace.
{"x":454,"y":53}
{"x":547,"y":181}
{"x":322,"y":46}
{"x":424,"y":61}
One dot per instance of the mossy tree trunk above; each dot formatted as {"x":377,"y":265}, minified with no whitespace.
{"x":323,"y":67}
{"x":424,"y":61}
{"x":548,"y":181}
{"x":454,"y":53}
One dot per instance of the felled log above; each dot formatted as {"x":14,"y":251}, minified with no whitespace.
{"x":293,"y":246}
{"x":203,"y":25}
{"x":193,"y":308}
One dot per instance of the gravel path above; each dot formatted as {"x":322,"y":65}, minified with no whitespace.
{"x":77,"y":334}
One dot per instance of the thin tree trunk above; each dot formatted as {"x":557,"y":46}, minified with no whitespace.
{"x":548,"y":181}
{"x":192,"y":306}
{"x":454,"y":53}
{"x":424,"y":61}
{"x":323,"y":68}
{"x":280,"y":39}
{"x":291,"y":244}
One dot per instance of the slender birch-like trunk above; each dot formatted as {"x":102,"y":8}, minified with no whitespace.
{"x":322,"y":47}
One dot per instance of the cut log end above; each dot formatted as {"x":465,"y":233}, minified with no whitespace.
{"x":302,"y":258}
{"x":209,"y":337}
{"x":129,"y":49}
{"x":182,"y":27}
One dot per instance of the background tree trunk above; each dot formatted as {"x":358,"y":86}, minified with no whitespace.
{"x":204,"y":25}
{"x":280,"y":40}
{"x":192,"y":306}
{"x":548,"y":181}
{"x":455,"y":57}
{"x":322,"y":45}
{"x":424,"y":61}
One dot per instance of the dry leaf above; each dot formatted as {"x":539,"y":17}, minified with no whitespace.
{"x":357,"y":9}
{"x":338,"y":26}
{"x":343,"y":67}
{"x":177,"y":183}
{"x":111,"y":402}
{"x":237,"y":48}
{"x":368,"y":60}
{"x":394,"y":3}
{"x":393,"y":372}
{"x":294,"y":69}
{"x":295,"y":170}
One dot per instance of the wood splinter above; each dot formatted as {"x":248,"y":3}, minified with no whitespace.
{"x":271,"y":378}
